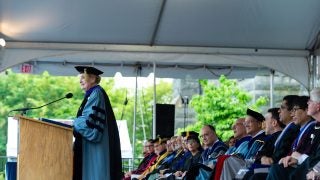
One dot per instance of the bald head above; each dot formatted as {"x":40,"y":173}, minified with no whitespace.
{"x":208,"y":135}
{"x":239,"y":129}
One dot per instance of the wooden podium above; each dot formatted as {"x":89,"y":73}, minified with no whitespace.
{"x":44,"y":151}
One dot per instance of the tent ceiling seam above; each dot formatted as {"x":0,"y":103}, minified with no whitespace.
{"x":139,"y":65}
{"x":156,"y":29}
{"x":154,"y":49}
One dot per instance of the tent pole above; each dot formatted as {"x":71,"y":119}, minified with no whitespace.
{"x":138,"y":69}
{"x":271,"y":88}
{"x":315,"y":72}
{"x":142,"y":118}
{"x":154,"y":102}
{"x":313,"y":64}
{"x":155,"y":31}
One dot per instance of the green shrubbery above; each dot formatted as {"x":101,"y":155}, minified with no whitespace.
{"x":220,"y":104}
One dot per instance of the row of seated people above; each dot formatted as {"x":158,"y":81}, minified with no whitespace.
{"x":172,"y":158}
{"x":305,"y":152}
{"x":290,"y":140}
{"x":286,"y":147}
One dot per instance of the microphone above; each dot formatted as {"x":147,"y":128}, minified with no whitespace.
{"x":186,"y":99}
{"x":67,"y":96}
{"x":182,"y":100}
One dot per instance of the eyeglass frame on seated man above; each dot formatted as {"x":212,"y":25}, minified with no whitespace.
{"x":295,"y":108}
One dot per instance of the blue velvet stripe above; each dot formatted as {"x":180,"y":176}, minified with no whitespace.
{"x":90,"y":90}
{"x":96,"y":118}
{"x":92,"y":126}
{"x":97,"y":109}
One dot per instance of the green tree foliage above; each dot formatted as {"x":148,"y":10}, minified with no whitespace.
{"x":220,"y":104}
{"x":21,"y":90}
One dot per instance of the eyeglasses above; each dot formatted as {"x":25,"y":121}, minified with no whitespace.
{"x":251,"y":121}
{"x":206,"y":135}
{"x":148,"y":146}
{"x":156,"y":145}
{"x":191,"y":141}
{"x":283,"y":107}
{"x":238,"y":123}
{"x":311,"y":101}
{"x":296,"y":109}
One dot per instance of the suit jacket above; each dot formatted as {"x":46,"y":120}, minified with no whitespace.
{"x":314,"y":146}
{"x":284,"y":145}
{"x":305,"y":141}
{"x":268,"y":147}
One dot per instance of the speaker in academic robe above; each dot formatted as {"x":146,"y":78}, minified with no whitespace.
{"x":165,"y":114}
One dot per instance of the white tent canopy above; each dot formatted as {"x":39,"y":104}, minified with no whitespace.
{"x":204,"y":38}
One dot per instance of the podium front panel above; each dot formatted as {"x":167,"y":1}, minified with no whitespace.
{"x":44,"y":151}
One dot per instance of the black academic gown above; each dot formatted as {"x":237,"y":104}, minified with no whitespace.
{"x":113,"y":135}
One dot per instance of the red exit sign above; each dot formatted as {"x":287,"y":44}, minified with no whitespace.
{"x":26,"y":68}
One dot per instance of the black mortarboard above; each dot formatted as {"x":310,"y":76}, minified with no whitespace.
{"x":160,"y":140}
{"x":194,"y":137}
{"x":183,"y":134}
{"x":88,"y":70}
{"x":256,"y":115}
{"x":193,"y":133}
{"x":189,"y":133}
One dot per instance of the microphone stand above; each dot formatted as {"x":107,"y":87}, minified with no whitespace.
{"x":124,"y":106}
{"x":24,"y":110}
